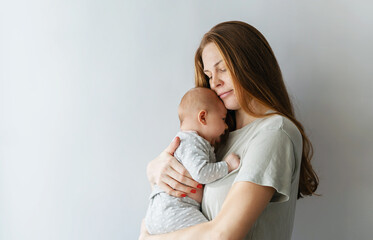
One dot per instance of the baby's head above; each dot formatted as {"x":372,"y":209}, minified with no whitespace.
{"x":202,"y":111}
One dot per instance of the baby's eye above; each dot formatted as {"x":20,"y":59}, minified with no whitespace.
{"x":224,"y":119}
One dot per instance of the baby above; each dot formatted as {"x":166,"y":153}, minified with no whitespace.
{"x":202,"y":123}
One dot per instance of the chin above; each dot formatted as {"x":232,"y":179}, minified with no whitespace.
{"x":231,"y":104}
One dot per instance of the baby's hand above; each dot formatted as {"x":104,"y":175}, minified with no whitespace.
{"x":233,"y":161}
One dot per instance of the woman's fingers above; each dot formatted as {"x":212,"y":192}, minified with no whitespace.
{"x":166,"y":186}
{"x":170,"y":175}
{"x":178,"y":184}
{"x":178,"y":172}
{"x":178,"y":167}
{"x":183,"y":183}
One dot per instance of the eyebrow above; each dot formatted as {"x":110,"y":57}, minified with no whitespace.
{"x":214,"y":65}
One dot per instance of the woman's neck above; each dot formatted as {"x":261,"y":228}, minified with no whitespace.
{"x":242,"y":118}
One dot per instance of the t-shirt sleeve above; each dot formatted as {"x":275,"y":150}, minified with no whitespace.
{"x":195,"y":156}
{"x":269,"y":161}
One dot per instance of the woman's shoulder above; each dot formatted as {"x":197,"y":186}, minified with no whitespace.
{"x":279,"y":123}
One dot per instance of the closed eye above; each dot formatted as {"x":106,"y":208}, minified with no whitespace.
{"x":209,"y":77}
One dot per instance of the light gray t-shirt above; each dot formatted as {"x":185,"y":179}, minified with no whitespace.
{"x":270,"y":150}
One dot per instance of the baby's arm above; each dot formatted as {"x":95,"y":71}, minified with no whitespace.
{"x":233,"y":161}
{"x":201,"y":169}
{"x":210,"y":172}
{"x":196,"y":156}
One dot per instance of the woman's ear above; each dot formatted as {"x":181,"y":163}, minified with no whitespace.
{"x":202,"y":115}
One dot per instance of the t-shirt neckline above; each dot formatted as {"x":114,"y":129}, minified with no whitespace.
{"x":251,"y":123}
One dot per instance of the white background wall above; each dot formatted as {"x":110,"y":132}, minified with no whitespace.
{"x":89,"y":93}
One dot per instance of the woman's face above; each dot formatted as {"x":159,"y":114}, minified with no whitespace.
{"x":220,"y":77}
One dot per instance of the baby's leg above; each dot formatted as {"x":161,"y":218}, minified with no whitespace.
{"x":168,"y":214}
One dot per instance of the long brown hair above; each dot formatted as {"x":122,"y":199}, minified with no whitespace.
{"x":256,"y":75}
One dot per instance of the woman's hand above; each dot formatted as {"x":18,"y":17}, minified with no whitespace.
{"x":170,"y":175}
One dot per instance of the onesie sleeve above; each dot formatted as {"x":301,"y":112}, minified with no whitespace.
{"x":269,"y":161}
{"x":194,"y":154}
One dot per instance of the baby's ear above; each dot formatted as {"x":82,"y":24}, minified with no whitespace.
{"x":202,"y":115}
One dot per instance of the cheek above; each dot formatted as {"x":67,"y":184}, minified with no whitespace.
{"x":228,"y":79}
{"x":218,"y":128}
{"x":221,"y":127}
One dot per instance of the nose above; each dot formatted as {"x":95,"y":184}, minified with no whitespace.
{"x":215,"y":81}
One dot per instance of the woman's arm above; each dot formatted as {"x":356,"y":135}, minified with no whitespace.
{"x":243,"y":205}
{"x":169,"y":174}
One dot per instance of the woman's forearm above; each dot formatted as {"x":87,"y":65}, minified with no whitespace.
{"x":232,"y":222}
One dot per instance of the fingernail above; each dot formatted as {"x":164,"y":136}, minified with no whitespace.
{"x":193,"y":191}
{"x":199,"y":185}
{"x":183,"y":195}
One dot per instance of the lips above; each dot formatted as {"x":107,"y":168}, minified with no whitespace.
{"x":224,"y":94}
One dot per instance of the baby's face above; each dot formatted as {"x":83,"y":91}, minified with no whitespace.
{"x":216,"y":125}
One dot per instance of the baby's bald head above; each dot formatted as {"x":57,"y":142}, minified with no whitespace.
{"x":195,"y":100}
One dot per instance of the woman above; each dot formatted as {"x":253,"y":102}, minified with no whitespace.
{"x":257,"y":201}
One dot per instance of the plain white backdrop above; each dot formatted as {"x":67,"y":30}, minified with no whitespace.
{"x":89,"y":93}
